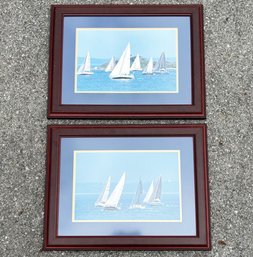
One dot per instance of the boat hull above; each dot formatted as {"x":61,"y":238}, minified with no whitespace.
{"x":147,"y":73}
{"x":154,"y":203}
{"x":122,"y":77}
{"x":99,"y":204}
{"x":137,"y":206}
{"x":136,"y":70}
{"x":111,"y":208}
{"x":161,"y":71}
{"x":86,"y":73}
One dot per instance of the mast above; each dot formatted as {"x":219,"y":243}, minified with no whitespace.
{"x":149,"y":67}
{"x":114,"y":198}
{"x":149,"y":193}
{"x":122,"y":68}
{"x":136,"y":64}
{"x":104,"y":195}
{"x":110,"y":65}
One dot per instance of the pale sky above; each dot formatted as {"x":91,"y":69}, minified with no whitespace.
{"x":98,"y":166}
{"x":105,"y":43}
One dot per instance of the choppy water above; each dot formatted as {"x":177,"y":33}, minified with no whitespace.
{"x":100,"y":81}
{"x":169,"y":209}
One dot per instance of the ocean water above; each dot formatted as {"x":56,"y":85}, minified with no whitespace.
{"x":85,"y":208}
{"x":100,"y":81}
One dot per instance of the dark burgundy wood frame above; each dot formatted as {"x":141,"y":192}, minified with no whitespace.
{"x":58,"y":110}
{"x":199,"y":242}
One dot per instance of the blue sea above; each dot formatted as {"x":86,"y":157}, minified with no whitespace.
{"x":85,"y":208}
{"x":100,"y":81}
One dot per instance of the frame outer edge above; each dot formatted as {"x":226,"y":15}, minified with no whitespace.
{"x":54,"y":246}
{"x":47,"y":188}
{"x":202,"y":59}
{"x":208,"y":216}
{"x":51,"y":55}
{"x":58,"y":8}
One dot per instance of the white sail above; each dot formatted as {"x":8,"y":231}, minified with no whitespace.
{"x":156,"y":196}
{"x":87,"y":62}
{"x":114,"y":198}
{"x":85,"y":69}
{"x":136,"y":204}
{"x":104,"y":196}
{"x":110,"y":65}
{"x":122,"y":68}
{"x":161,"y":64}
{"x":149,"y":193}
{"x":149,"y":67}
{"x":136,"y":64}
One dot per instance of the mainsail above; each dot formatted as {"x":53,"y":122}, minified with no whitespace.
{"x":85,"y":69}
{"x":156,"y":196}
{"x":136,"y":64}
{"x":104,"y":195}
{"x":122,"y":68}
{"x":161,"y":64}
{"x":149,"y":67}
{"x":136,"y":204}
{"x":113,"y":200}
{"x":149,"y":193}
{"x":110,"y":65}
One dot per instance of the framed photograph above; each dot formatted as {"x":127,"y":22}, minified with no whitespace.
{"x":127,"y":188}
{"x":126,"y":61}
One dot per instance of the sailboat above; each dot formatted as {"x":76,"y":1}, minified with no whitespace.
{"x":160,"y":66}
{"x":136,"y":64}
{"x":155,"y":198}
{"x":136,"y":204}
{"x":110,"y":65}
{"x":149,"y":68}
{"x":149,"y":193}
{"x":113,"y":201}
{"x":85,"y":69}
{"x":104,"y":195}
{"x":122,"y":68}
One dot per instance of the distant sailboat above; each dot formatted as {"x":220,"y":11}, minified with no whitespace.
{"x":155,"y":198}
{"x":136,"y":64}
{"x":110,"y":65}
{"x":149,"y":68}
{"x":136,"y":204}
{"x":85,"y":69}
{"x":122,"y":68}
{"x":104,"y":196}
{"x":113,"y":201}
{"x":160,"y":66}
{"x":149,"y":193}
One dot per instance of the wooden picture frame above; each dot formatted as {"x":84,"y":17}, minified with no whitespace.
{"x":61,"y":177}
{"x":188,"y":101}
